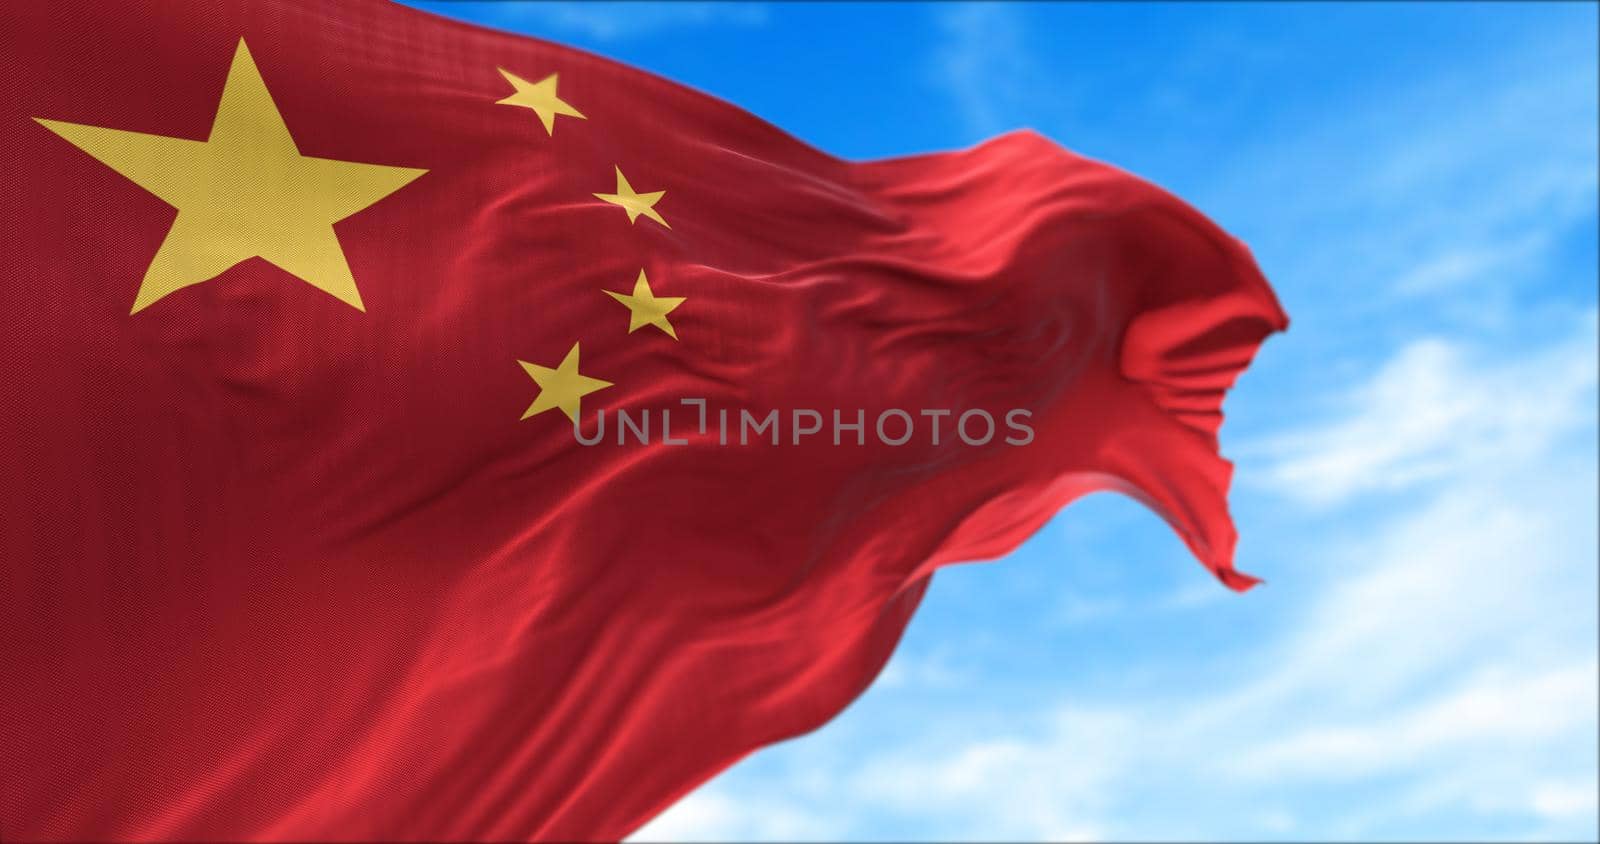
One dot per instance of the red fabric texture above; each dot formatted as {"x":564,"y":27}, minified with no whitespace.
{"x":278,"y":568}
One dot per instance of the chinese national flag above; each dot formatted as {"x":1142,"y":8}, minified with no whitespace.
{"x":301,"y":297}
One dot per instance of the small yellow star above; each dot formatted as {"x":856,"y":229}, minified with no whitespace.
{"x":539,"y":96}
{"x":562,"y":387}
{"x":646,"y":308}
{"x":634,"y":203}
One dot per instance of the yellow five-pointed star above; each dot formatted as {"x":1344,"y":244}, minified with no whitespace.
{"x":646,"y":308}
{"x":633,"y":202}
{"x":562,"y":387}
{"x":539,"y":96}
{"x":244,"y":192}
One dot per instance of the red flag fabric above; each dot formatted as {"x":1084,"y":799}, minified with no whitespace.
{"x":301,"y":297}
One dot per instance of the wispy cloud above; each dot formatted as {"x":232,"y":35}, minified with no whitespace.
{"x":923,"y":671}
{"x":711,"y":815}
{"x":1450,"y":192}
{"x":1445,"y":675}
{"x":1429,"y":667}
{"x":1495,"y":710}
{"x":1472,"y":261}
{"x":1433,"y":409}
{"x":983,"y":63}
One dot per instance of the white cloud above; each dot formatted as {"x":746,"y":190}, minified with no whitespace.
{"x":1021,"y":783}
{"x":1568,"y":800}
{"x":710,"y":815}
{"x":930,"y":671}
{"x":1445,"y":657}
{"x":1500,"y":710}
{"x":1456,"y":657}
{"x":1433,"y":409}
{"x":1471,"y":262}
{"x":983,"y":63}
{"x":1436,"y":667}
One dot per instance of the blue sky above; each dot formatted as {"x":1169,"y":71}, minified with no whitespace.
{"x":1416,"y":457}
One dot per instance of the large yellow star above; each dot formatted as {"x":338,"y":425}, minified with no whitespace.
{"x":633,"y":202}
{"x":539,"y":96}
{"x":562,"y":387}
{"x":242,"y":193}
{"x":646,"y":308}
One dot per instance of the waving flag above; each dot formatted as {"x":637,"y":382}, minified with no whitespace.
{"x":414,"y":431}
